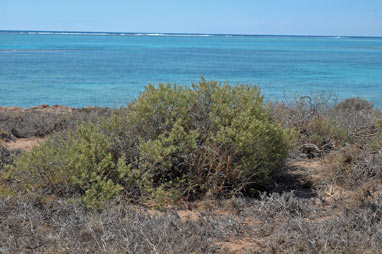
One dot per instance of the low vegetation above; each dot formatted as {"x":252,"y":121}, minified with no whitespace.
{"x":43,"y":120}
{"x":178,"y":142}
{"x":204,"y":169}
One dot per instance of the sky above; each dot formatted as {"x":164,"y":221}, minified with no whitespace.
{"x":289,"y":17}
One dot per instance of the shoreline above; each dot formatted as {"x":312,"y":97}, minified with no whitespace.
{"x":55,"y":108}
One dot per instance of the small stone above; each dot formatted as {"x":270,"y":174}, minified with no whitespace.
{"x":330,"y":200}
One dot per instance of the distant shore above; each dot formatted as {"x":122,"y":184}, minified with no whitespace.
{"x":46,"y":108}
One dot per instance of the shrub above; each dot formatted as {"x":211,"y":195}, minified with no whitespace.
{"x":5,"y":135}
{"x":354,"y":104}
{"x":299,"y":111}
{"x":357,"y":117}
{"x":325,"y":124}
{"x":354,"y":166}
{"x":208,"y":139}
{"x":76,"y":163}
{"x":376,"y":144}
{"x":172,"y":142}
{"x":325,"y":133}
{"x":5,"y":156}
{"x":312,"y":117}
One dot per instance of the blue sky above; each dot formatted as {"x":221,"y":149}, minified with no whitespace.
{"x":300,"y":17}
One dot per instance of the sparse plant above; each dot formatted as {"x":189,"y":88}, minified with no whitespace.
{"x":354,"y":105}
{"x":324,"y":124}
{"x":32,"y":223}
{"x":376,"y":144}
{"x":40,"y":122}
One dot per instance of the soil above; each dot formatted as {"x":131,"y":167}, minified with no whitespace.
{"x":42,"y":108}
{"x":24,"y":144}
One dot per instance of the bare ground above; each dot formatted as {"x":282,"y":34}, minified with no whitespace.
{"x":24,"y":144}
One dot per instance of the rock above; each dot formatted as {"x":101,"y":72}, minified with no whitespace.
{"x":16,"y":133}
{"x":329,"y":200}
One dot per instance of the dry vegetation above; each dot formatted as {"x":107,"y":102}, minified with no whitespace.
{"x":327,"y":198}
{"x":43,"y":120}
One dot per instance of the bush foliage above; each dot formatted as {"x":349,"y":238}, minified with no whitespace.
{"x":172,"y":142}
{"x":77,"y":163}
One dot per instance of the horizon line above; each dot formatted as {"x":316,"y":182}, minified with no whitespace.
{"x":188,"y":33}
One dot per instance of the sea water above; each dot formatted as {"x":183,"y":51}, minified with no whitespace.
{"x":110,"y":69}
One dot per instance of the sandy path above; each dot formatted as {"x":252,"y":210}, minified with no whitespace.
{"x":24,"y":144}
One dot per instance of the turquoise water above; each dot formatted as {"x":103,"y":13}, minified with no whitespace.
{"x":81,"y":69}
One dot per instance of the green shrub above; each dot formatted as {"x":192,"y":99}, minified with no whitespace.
{"x":78,"y":163}
{"x":376,"y":144}
{"x":207,"y":139}
{"x":326,"y":133}
{"x":172,"y":142}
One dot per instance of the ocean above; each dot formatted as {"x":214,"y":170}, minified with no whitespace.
{"x":110,"y":69}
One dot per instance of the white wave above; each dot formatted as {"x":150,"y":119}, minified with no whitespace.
{"x":32,"y":50}
{"x":68,"y":33}
{"x":155,"y":34}
{"x":329,"y":37}
{"x":122,"y":34}
{"x":189,"y":35}
{"x":73,"y":33}
{"x":78,"y":33}
{"x":172,"y":35}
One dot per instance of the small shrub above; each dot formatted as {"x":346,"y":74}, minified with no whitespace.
{"x":325,"y":133}
{"x":357,"y":117}
{"x":78,"y":163}
{"x":354,"y":104}
{"x":353,"y":166}
{"x":357,"y":163}
{"x":326,"y":125}
{"x":6,"y":156}
{"x":5,"y":135}
{"x":299,"y":111}
{"x":376,"y":144}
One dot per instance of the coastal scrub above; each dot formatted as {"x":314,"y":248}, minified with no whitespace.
{"x":172,"y":142}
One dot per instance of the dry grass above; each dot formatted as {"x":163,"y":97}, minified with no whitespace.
{"x":273,"y":223}
{"x":32,"y":224}
{"x":325,"y":125}
{"x":44,"y":120}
